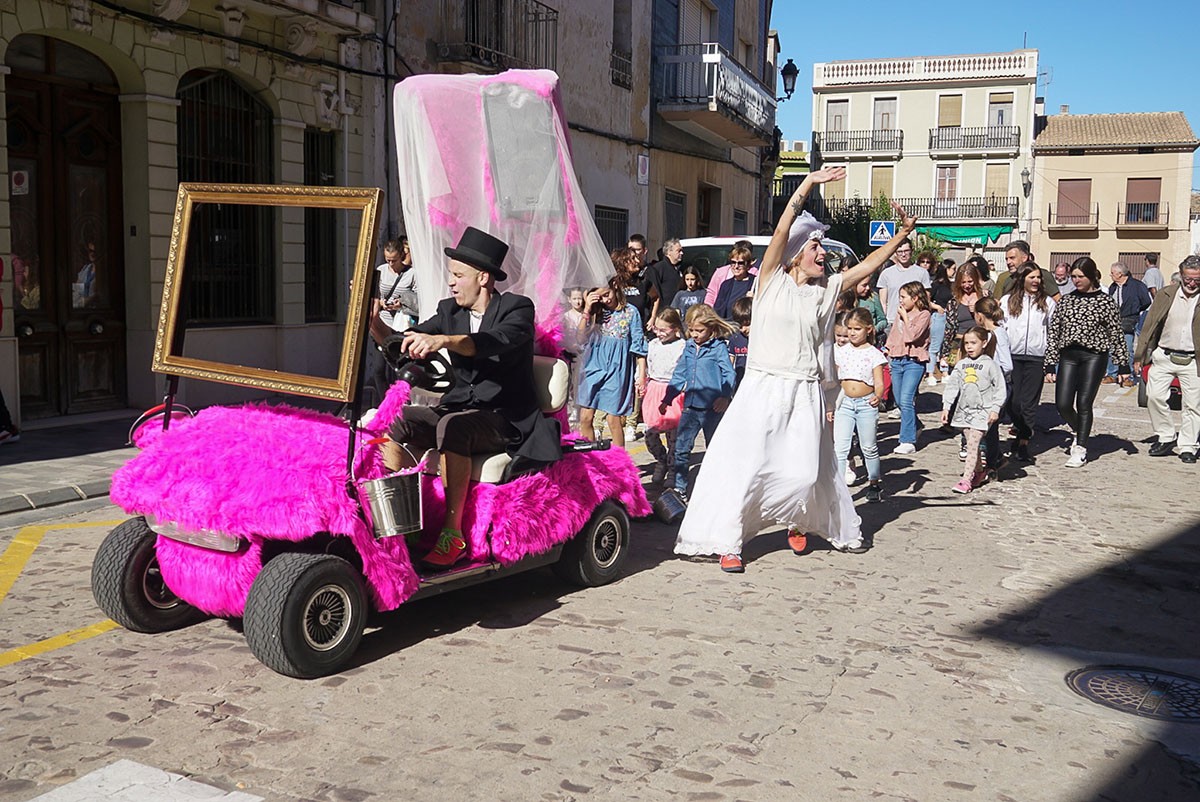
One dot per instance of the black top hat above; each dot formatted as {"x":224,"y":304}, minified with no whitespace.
{"x":481,"y":251}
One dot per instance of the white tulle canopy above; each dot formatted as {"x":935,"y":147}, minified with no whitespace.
{"x":491,"y":151}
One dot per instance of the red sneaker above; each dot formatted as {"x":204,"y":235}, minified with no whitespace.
{"x":732,"y":564}
{"x":798,"y":541}
{"x":450,"y":549}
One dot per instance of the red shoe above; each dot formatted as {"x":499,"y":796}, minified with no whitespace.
{"x":732,"y":564}
{"x":979,"y":479}
{"x":450,"y":549}
{"x":798,"y":541}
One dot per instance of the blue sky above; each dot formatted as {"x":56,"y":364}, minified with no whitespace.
{"x":1100,"y":56}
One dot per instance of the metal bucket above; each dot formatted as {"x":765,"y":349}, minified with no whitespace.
{"x":395,"y":503}
{"x":670,"y":506}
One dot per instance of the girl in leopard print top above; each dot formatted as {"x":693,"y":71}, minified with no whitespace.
{"x":1084,"y":329}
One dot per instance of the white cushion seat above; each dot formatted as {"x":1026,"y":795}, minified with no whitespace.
{"x":552,"y":381}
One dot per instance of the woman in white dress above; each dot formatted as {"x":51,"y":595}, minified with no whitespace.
{"x":771,"y":459}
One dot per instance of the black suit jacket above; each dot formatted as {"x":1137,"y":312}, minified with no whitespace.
{"x":500,"y":375}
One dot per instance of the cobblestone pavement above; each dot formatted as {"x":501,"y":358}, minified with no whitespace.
{"x":930,"y":668}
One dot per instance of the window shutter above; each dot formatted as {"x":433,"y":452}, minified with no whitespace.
{"x":950,"y":111}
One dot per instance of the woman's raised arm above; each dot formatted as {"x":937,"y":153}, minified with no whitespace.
{"x":795,"y":205}
{"x":877,"y":257}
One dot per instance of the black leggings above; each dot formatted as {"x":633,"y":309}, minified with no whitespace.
{"x":1028,"y":375}
{"x":1079,"y":373}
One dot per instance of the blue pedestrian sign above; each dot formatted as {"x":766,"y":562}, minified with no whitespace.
{"x":882,"y":231}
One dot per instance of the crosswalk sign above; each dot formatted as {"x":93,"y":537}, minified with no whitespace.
{"x":882,"y":231}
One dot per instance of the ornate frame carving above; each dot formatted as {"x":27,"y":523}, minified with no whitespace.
{"x":367,"y":200}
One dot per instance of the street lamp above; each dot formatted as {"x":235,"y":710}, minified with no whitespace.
{"x":1026,"y":181}
{"x":788,"y":72}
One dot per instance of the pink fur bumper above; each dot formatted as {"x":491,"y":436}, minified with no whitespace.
{"x":279,"y":473}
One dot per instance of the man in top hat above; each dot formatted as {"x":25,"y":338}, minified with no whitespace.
{"x":493,"y":406}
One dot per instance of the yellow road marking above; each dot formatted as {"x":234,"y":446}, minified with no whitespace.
{"x":12,"y":563}
{"x":57,"y":642}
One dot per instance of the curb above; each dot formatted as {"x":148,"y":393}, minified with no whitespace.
{"x":54,"y":496}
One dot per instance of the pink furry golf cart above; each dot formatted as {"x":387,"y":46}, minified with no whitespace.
{"x":288,"y":518}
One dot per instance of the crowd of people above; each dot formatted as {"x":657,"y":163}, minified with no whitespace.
{"x":816,"y":352}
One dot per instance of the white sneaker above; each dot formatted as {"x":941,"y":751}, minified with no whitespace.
{"x":894,"y":414}
{"x":931,"y":380}
{"x":630,"y":434}
{"x":1078,"y":457}
{"x":851,"y":477}
{"x":905,"y":448}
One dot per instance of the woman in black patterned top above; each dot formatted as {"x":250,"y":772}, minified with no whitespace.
{"x":1085,"y":328}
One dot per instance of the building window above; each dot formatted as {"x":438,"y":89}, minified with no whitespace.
{"x":1066,"y":257}
{"x":837,"y":115}
{"x":885,"y":114}
{"x":1000,"y":109}
{"x":674,"y":214}
{"x":621,"y":61}
{"x":1136,"y":261}
{"x":320,"y":230}
{"x":499,"y":33}
{"x":835,"y":189}
{"x":882,"y":176}
{"x":1142,"y":200}
{"x":950,"y":111}
{"x":995,"y":181}
{"x":613,"y":225}
{"x":1074,"y":202}
{"x":224,"y":136}
{"x":741,"y":223}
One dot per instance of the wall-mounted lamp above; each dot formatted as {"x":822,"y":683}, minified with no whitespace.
{"x":788,"y":73}
{"x":1026,"y":181}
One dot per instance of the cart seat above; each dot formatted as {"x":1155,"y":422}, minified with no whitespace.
{"x":552,"y":380}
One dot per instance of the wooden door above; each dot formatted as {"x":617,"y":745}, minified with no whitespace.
{"x":65,"y":173}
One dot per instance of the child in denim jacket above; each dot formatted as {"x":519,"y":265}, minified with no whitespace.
{"x":704,"y":374}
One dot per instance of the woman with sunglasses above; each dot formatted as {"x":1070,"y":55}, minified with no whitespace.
{"x":1084,"y":330}
{"x":737,"y":285}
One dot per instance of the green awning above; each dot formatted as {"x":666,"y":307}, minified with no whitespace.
{"x":966,"y":235}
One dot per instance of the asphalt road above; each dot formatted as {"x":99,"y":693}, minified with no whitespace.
{"x":930,"y":668}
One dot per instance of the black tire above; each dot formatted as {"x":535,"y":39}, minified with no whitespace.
{"x":305,"y":614}
{"x":129,"y":587}
{"x":595,"y":555}
{"x":1142,"y":401}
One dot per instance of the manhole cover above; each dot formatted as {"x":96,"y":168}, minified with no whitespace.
{"x":1144,"y":692}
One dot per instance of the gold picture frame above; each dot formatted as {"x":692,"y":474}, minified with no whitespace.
{"x":368,"y":200}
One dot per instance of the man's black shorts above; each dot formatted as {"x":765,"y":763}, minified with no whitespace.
{"x":467,"y":432}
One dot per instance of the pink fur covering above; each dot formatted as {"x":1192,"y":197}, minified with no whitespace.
{"x":278,"y":473}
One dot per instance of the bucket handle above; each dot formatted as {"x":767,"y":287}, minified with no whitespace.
{"x":419,"y":465}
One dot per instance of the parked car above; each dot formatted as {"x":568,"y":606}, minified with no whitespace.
{"x":708,"y":253}
{"x":1174,"y":397}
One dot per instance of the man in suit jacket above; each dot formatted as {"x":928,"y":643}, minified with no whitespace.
{"x":493,"y":406}
{"x":1132,"y":298}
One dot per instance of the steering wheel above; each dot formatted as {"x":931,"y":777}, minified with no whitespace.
{"x":433,"y":373}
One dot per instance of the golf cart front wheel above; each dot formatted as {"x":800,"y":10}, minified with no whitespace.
{"x":595,"y":555}
{"x":128,"y":585}
{"x":305,"y":614}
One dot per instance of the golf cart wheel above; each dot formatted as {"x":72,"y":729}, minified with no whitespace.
{"x":595,"y":555}
{"x":305,"y":614}
{"x":128,"y":585}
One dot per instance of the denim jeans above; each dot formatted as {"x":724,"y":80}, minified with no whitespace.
{"x":906,"y":380}
{"x":851,"y":414}
{"x":937,"y":335}
{"x":691,"y":423}
{"x":1112,"y":365}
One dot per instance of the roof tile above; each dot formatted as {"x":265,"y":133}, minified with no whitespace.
{"x":1146,"y":128}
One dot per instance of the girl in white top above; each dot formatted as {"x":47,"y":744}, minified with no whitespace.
{"x":662,"y":354}
{"x":1027,"y":312}
{"x":860,"y":369}
{"x":772,"y":459}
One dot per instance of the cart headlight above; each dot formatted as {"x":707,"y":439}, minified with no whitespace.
{"x":204,"y":538}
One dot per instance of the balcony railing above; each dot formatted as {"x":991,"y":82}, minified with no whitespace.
{"x":1148,"y":215}
{"x":785,"y":185}
{"x":927,"y":69}
{"x":499,"y":33}
{"x":621,"y":66}
{"x":871,"y":141}
{"x":991,"y":208}
{"x":1074,"y":216}
{"x":704,"y":75}
{"x":993,"y":137}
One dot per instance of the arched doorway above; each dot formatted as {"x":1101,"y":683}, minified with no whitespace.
{"x":64,"y":157}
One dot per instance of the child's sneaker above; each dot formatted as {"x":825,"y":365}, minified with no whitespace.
{"x":732,"y":564}
{"x":979,"y":479}
{"x":963,"y":486}
{"x":905,"y":448}
{"x":797,"y":540}
{"x":9,"y":436}
{"x":874,"y":493}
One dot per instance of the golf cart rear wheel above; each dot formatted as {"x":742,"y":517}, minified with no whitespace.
{"x":595,"y":555}
{"x":305,"y":614}
{"x":128,"y":585}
